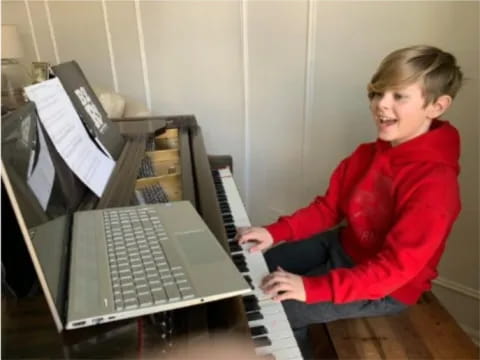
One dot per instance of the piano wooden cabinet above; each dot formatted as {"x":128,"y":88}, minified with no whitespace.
{"x":183,"y":169}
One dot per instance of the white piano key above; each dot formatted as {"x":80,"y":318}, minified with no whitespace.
{"x":273,"y":323}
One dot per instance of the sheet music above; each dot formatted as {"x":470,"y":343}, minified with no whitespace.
{"x":69,"y":136}
{"x":41,"y":176}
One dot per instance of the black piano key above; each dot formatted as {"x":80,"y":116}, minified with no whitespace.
{"x":242,"y":268}
{"x":258,"y":330}
{"x":230,"y":227}
{"x":249,"y":297}
{"x":250,"y":307}
{"x":239,"y":258}
{"x":262,"y":341}
{"x":250,"y":302}
{"x":240,"y":263}
{"x":228,"y":218}
{"x":231,"y":234}
{"x":234,"y":247}
{"x":256,"y":315}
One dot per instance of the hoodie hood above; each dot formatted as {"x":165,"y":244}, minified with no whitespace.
{"x":441,"y":144}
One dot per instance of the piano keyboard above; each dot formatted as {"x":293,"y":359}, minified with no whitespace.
{"x":267,"y":320}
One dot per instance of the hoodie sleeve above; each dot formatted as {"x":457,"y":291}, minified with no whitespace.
{"x":421,"y":227}
{"x":323,"y":213}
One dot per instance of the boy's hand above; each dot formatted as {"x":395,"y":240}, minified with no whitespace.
{"x":282,"y":285}
{"x":259,"y":235}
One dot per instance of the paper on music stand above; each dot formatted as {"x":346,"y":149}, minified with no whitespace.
{"x":69,"y":136}
{"x":40,"y":179}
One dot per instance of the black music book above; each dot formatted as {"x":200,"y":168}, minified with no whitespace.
{"x":89,"y":108}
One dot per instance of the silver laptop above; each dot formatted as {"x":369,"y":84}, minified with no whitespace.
{"x":99,"y":266}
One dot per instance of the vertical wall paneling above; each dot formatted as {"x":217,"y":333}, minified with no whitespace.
{"x":110,"y":47}
{"x":246,"y":103}
{"x":52,"y":32}
{"x":32,"y":29}
{"x":40,"y":26}
{"x":143,"y":55}
{"x":277,"y":48}
{"x":125,"y":42}
{"x":309,"y":92}
{"x":80,"y":35}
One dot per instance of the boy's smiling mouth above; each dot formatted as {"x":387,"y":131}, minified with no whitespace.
{"x":386,"y":121}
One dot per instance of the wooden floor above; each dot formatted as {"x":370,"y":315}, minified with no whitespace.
{"x":425,"y":331}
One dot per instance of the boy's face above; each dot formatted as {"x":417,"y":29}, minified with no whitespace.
{"x":401,"y":114}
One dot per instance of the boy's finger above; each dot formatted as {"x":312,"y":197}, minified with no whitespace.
{"x":279,"y":288}
{"x":256,"y":248}
{"x":287,"y":295}
{"x":247,"y":238}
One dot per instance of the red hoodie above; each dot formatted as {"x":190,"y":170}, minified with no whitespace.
{"x":400,"y":204}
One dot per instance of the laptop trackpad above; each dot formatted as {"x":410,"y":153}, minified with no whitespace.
{"x":198,"y":248}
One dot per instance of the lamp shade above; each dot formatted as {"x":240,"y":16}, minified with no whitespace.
{"x":11,"y":43}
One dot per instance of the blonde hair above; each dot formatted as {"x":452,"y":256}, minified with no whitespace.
{"x":436,"y":69}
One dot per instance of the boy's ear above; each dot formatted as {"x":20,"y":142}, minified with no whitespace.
{"x":438,"y":107}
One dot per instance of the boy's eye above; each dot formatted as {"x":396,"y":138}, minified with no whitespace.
{"x":374,"y":94}
{"x":398,"y":96}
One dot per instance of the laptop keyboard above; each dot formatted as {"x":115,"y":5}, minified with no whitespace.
{"x":144,"y":266}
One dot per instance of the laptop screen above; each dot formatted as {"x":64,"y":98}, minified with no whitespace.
{"x":20,"y":156}
{"x":51,"y":242}
{"x":47,"y":241}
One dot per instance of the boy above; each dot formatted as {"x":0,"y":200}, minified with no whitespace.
{"x":400,"y":198}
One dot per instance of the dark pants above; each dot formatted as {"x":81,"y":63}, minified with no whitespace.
{"x":316,"y":256}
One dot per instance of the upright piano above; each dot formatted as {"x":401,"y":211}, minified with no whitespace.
{"x":185,"y":172}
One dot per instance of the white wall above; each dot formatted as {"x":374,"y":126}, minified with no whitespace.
{"x":280,"y":85}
